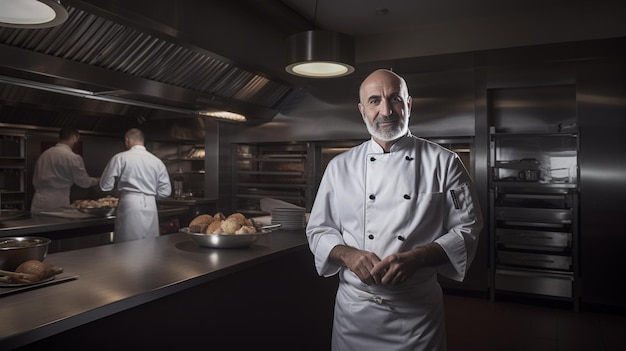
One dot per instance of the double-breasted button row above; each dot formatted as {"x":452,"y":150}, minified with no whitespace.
{"x":405,"y":196}
{"x":400,"y":237}
{"x":408,"y":158}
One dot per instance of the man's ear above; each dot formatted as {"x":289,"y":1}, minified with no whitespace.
{"x":361,"y":110}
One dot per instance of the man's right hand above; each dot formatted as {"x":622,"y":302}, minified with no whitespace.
{"x":358,"y":261}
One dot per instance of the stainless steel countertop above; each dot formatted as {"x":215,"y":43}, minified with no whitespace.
{"x":112,"y":278}
{"x":37,"y":223}
{"x":188,"y":201}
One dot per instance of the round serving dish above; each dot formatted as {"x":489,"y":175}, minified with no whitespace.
{"x":16,"y":250}
{"x":224,"y":241}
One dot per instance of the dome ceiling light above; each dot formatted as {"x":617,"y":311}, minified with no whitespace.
{"x":32,"y":14}
{"x":320,"y":54}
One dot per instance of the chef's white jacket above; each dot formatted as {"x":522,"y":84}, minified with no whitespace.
{"x":56,"y":170}
{"x":141,"y":177}
{"x":386,"y":203}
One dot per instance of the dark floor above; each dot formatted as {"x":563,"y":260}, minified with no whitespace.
{"x":475,"y":323}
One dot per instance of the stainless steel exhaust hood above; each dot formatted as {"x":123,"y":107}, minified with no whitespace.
{"x":104,"y":68}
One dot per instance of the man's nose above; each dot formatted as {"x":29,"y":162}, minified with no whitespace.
{"x":385,"y":108}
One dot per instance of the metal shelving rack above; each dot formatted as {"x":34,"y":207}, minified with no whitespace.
{"x":534,"y":222}
{"x":13,"y":171}
{"x":185,"y":160}
{"x":276,"y":170}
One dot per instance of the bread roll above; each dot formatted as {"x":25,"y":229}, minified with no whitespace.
{"x":240,"y":218}
{"x":199,"y":228}
{"x":246,"y":230}
{"x":200,"y":223}
{"x":214,"y":228}
{"x":219,"y":216}
{"x":231,"y":225}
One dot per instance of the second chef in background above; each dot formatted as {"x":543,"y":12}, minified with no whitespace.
{"x":141,"y":177}
{"x":56,"y":170}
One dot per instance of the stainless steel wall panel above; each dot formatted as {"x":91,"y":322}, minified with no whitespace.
{"x":601,"y":95}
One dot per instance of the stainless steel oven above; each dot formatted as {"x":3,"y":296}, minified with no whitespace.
{"x":534,"y":228}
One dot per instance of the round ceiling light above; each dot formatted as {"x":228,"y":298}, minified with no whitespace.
{"x":320,"y":54}
{"x":31,"y":13}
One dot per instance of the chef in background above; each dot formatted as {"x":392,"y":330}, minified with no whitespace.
{"x":56,"y":170}
{"x":389,"y":216}
{"x":141,"y":177}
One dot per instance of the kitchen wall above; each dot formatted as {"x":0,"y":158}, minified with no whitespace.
{"x":443,"y":105}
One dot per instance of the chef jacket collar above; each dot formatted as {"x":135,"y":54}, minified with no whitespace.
{"x":399,"y":145}
{"x":64,"y":146}
{"x":138,"y":147}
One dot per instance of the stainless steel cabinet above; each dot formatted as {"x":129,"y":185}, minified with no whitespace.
{"x":534,"y":214}
{"x":13,"y":170}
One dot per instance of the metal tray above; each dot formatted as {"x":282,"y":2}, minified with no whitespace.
{"x":534,"y":215}
{"x":9,"y":289}
{"x":534,"y":239}
{"x":536,"y":260}
{"x":7,"y":215}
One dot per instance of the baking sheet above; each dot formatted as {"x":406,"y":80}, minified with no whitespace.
{"x":69,"y":214}
{"x":7,"y":215}
{"x":9,"y":289}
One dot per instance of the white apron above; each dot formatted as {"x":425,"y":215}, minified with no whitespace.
{"x":386,"y":203}
{"x":136,"y":217}
{"x":412,"y":320}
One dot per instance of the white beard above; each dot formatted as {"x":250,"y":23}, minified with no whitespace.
{"x":387,"y":134}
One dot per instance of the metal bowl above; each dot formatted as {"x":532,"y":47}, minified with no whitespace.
{"x":98,"y":211}
{"x":17,"y":250}
{"x":224,"y":241}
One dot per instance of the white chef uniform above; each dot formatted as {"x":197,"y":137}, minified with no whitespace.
{"x":385,"y":203}
{"x":56,"y":170}
{"x":141,"y":177}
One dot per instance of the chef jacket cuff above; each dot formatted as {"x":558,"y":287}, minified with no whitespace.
{"x":325,"y":267}
{"x":454,"y":246}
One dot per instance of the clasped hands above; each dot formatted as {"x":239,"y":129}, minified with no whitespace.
{"x":370,"y":269}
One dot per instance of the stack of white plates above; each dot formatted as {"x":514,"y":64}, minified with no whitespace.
{"x":291,"y":218}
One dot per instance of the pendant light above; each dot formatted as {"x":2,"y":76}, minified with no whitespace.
{"x":32,"y":14}
{"x":320,"y":53}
